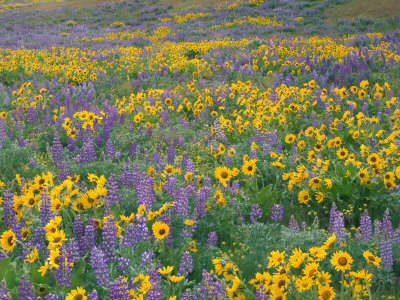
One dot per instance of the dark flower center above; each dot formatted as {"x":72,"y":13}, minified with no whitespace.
{"x":162,"y":231}
{"x":10,"y":240}
{"x":78,"y":297}
{"x":342,"y":261}
{"x":326,"y":295}
{"x":281,"y":283}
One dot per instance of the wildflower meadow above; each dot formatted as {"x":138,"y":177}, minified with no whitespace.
{"x":156,"y":149}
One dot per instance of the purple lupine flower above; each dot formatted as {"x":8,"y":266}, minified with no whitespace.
{"x":211,"y":288}
{"x":99,"y":142}
{"x":184,"y":161}
{"x":109,"y":238}
{"x":3,"y":134}
{"x":190,"y":167}
{"x":155,"y":291}
{"x":119,"y":289}
{"x":88,"y":152}
{"x":112,"y":191}
{"x":336,"y":224}
{"x":201,"y":201}
{"x":366,"y":226}
{"x":261,"y":294}
{"x":123,"y":264}
{"x":110,"y":152}
{"x":136,"y":233}
{"x":147,"y":258}
{"x":186,"y":264}
{"x":98,"y":261}
{"x":4,"y":295}
{"x":8,"y":205}
{"x":92,"y":295}
{"x":253,"y":154}
{"x":71,"y":144}
{"x":145,"y":192}
{"x":293,"y":225}
{"x":181,"y":203}
{"x":79,"y":231}
{"x":38,"y":240}
{"x":255,"y":213}
{"x":26,"y":291}
{"x":122,"y":119}
{"x":277,"y":212}
{"x":31,"y":115}
{"x":149,"y":132}
{"x":21,"y":142}
{"x":386,"y":253}
{"x":171,"y":155}
{"x":89,"y":238}
{"x":64,"y":271}
{"x":387,"y":236}
{"x":63,"y":171}
{"x":235,"y":188}
{"x":187,"y":295}
{"x":365,"y":109}
{"x":33,"y":163}
{"x":51,"y":297}
{"x":386,"y":226}
{"x":73,"y":250}
{"x":134,"y":149}
{"x":372,"y":142}
{"x":45,"y":213}
{"x":212,"y":239}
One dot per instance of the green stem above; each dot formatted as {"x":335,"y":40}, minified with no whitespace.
{"x":342,"y":287}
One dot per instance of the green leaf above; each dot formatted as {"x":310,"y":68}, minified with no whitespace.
{"x":4,"y":266}
{"x":37,"y":278}
{"x":98,"y":213}
{"x":27,"y":268}
{"x":10,"y":278}
{"x":115,"y":211}
{"x":80,"y":266}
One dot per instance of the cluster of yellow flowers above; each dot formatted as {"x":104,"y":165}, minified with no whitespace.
{"x":188,"y":17}
{"x":302,"y":273}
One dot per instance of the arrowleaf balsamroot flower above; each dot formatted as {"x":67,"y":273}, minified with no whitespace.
{"x":249,"y":167}
{"x":8,"y":241}
{"x":341,"y":261}
{"x":160,"y":230}
{"x":165,"y":270}
{"x":77,"y":294}
{"x":223,"y":174}
{"x":371,"y":259}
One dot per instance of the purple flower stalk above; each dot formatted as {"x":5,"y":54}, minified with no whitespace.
{"x":277,"y":212}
